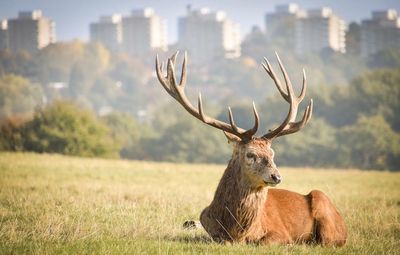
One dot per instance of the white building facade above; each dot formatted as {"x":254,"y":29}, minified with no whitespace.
{"x":207,"y":35}
{"x":108,"y":31}
{"x":380,"y":32}
{"x":30,"y":31}
{"x":320,"y":29}
{"x":3,"y":34}
{"x":283,"y":20}
{"x":143,"y":31}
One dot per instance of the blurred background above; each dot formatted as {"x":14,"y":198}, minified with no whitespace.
{"x":78,"y":78}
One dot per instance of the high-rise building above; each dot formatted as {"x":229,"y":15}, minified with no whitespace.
{"x":108,"y":31}
{"x":380,"y":32}
{"x":320,"y":29}
{"x":206,"y":35}
{"x":30,"y":31}
{"x":143,"y":31}
{"x":3,"y":34}
{"x":283,"y":20}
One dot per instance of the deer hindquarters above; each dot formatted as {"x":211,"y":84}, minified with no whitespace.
{"x":330,"y":227}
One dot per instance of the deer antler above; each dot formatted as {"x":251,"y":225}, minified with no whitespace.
{"x":289,"y":125}
{"x":177,"y":91}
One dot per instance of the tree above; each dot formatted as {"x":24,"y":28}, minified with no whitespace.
{"x":7,"y":62}
{"x":255,"y":44}
{"x":387,"y":58}
{"x":65,"y":128}
{"x":18,"y":95}
{"x":127,"y":133}
{"x":315,"y":145}
{"x":54,"y":62}
{"x":377,"y":92}
{"x":104,"y":92}
{"x":11,"y":134}
{"x":369,"y":143}
{"x":186,"y":140}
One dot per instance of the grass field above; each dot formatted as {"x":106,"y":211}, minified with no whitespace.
{"x":51,"y":204}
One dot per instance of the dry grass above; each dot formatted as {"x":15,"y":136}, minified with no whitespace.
{"x":54,"y":204}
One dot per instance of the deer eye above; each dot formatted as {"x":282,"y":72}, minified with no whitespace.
{"x":251,"y":155}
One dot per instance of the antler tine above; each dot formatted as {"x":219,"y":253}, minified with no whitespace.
{"x":171,"y":72}
{"x":275,"y":133}
{"x":160,"y":76}
{"x":310,"y":112}
{"x":173,"y":57}
{"x":294,"y":127}
{"x":254,"y":129}
{"x":178,"y":92}
{"x":270,"y":71}
{"x":158,"y":69}
{"x":303,"y":89}
{"x":251,"y":132}
{"x":233,"y":125}
{"x":289,"y":126}
{"x":289,"y":86}
{"x":200,"y":107}
{"x":183,"y":73}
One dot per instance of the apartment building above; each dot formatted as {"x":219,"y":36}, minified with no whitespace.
{"x":30,"y":31}
{"x":3,"y":34}
{"x":320,"y":29}
{"x":207,"y":35}
{"x":143,"y":31}
{"x":380,"y":32}
{"x":108,"y":31}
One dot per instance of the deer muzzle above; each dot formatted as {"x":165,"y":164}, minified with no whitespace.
{"x":273,"y":179}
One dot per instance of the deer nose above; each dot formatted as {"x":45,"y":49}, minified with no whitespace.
{"x":276,"y":178}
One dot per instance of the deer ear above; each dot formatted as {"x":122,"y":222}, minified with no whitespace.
{"x":232,"y":138}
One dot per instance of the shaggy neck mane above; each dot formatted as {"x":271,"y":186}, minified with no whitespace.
{"x":237,"y":207}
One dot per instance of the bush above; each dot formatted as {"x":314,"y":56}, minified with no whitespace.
{"x":127,"y":134}
{"x":65,"y":128}
{"x":11,"y":135}
{"x":18,"y":95}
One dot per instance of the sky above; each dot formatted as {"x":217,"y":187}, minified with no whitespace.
{"x":72,"y":17}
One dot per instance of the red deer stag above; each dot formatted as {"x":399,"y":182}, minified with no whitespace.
{"x":243,"y":208}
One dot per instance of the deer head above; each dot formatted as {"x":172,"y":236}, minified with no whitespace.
{"x":253,"y":155}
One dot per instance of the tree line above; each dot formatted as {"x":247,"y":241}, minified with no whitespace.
{"x":355,"y":122}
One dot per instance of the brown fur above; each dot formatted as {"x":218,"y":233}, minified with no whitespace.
{"x":245,"y":210}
